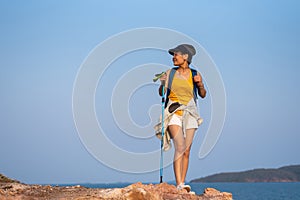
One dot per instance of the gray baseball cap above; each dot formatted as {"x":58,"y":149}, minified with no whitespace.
{"x":185,"y":49}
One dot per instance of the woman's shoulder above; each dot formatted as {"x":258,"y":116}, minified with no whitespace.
{"x":172,"y":69}
{"x":168,"y":71}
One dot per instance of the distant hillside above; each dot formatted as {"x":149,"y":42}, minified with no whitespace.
{"x":282,"y":174}
{"x":4,"y":179}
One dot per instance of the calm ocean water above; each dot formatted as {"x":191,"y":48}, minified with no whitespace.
{"x":255,"y":191}
{"x":240,"y":191}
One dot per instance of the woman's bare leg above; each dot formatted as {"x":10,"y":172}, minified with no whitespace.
{"x":186,"y":155}
{"x":180,"y":146}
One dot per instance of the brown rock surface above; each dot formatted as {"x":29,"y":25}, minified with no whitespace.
{"x":137,"y":191}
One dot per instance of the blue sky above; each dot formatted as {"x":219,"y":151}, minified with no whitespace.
{"x":43,"y":44}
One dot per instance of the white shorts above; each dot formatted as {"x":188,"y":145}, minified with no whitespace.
{"x":177,"y":120}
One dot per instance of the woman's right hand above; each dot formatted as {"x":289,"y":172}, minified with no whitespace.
{"x":163,"y":79}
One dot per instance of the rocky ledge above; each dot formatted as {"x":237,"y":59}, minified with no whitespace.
{"x":137,"y":191}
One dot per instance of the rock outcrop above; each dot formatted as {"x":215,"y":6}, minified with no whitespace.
{"x":137,"y":191}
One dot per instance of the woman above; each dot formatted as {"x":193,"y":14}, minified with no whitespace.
{"x":181,"y":115}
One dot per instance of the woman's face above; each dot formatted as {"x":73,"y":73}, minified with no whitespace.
{"x":179,"y":58}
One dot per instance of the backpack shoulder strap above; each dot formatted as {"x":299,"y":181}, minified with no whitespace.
{"x":194,"y":73}
{"x":171,"y":76}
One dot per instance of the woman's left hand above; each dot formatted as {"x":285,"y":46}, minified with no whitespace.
{"x":197,"y":79}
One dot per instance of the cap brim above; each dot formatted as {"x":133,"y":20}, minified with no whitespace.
{"x":172,"y":51}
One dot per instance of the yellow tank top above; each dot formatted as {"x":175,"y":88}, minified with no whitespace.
{"x":181,"y":90}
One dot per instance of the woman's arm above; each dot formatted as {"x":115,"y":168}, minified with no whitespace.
{"x":200,"y":85}
{"x":164,"y":82}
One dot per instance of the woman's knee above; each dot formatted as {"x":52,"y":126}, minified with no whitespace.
{"x":180,"y":148}
{"x":187,"y":152}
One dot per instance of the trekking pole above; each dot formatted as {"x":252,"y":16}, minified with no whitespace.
{"x":162,"y":133}
{"x":157,"y":76}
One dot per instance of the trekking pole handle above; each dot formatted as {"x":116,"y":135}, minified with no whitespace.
{"x":158,"y":76}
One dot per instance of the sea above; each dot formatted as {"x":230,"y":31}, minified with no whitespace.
{"x":240,"y":191}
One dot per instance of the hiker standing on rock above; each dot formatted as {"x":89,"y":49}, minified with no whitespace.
{"x":181,"y":119}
